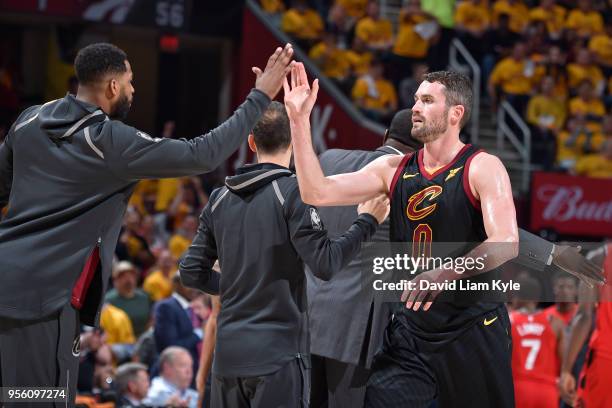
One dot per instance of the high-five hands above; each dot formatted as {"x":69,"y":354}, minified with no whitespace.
{"x":271,"y":79}
{"x":299,"y":97}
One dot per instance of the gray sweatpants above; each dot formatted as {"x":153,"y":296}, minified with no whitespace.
{"x":41,"y":353}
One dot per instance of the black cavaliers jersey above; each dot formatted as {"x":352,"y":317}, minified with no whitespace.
{"x":438,"y":208}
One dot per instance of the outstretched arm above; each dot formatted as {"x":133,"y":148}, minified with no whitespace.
{"x":315,"y":188}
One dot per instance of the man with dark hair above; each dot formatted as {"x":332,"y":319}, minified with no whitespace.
{"x":132,"y":384}
{"x":67,"y":170}
{"x":342,"y":349}
{"x":445,"y":192}
{"x":263,"y":234}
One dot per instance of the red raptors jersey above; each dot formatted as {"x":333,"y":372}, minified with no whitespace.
{"x":601,"y":340}
{"x":534,"y":348}
{"x":565,"y":317}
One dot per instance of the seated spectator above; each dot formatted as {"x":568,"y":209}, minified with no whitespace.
{"x":552,"y":15}
{"x":574,"y":142}
{"x":190,"y":199}
{"x":354,"y":8}
{"x":376,"y":32}
{"x":601,"y":47}
{"x":302,"y":23}
{"x":584,"y":20}
{"x":173,"y":326}
{"x":546,"y":115}
{"x":331,"y":60}
{"x":341,"y":25}
{"x":472,"y":20}
{"x":119,"y":331}
{"x":516,"y":9}
{"x":127,"y":297}
{"x":132,"y":385}
{"x":583,"y":69}
{"x":597,"y":164}
{"x":359,"y":58}
{"x":588,"y":105}
{"x":181,"y":240}
{"x":374,"y":95}
{"x":514,"y":76}
{"x":172,"y":387}
{"x":415,"y":32}
{"x":497,"y":44}
{"x":158,"y":284}
{"x":553,"y":66}
{"x":132,"y":246}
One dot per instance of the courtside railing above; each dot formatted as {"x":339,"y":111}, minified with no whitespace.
{"x":472,"y":68}
{"x":506,"y":112}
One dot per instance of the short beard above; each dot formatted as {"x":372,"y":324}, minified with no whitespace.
{"x":428,"y":133}
{"x":121,"y":108}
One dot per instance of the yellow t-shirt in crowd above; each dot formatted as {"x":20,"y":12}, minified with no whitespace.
{"x":334,"y":65}
{"x":157,"y":285}
{"x":601,"y":45}
{"x":546,"y":111}
{"x":374,"y":32}
{"x":354,"y":8}
{"x":554,"y":19}
{"x":518,"y":12}
{"x":584,"y":24}
{"x":408,"y":43}
{"x":576,"y":73}
{"x":387,"y":97}
{"x":117,"y":325}
{"x":575,"y":150}
{"x":359,"y":61}
{"x":472,"y":16}
{"x":177,"y":245}
{"x":166,"y":191}
{"x":510,"y":75}
{"x":593,"y":107}
{"x":594,"y":165}
{"x":272,"y":6}
{"x":144,"y":187}
{"x":306,"y":26}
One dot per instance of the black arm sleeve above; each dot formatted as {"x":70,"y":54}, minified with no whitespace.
{"x":196,"y":266}
{"x":534,"y":252}
{"x":6,"y":170}
{"x":134,"y":155}
{"x":324,"y":256}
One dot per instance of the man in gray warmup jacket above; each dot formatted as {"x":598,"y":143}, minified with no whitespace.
{"x":67,"y":170}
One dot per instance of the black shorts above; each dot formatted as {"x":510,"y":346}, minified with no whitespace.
{"x":474,"y":370}
{"x":41,"y":353}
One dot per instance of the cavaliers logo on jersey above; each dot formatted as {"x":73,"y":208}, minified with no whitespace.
{"x":413,"y":211}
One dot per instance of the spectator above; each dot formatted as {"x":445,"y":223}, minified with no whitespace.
{"x":158,"y":285}
{"x":588,"y":105}
{"x":554,"y":66}
{"x":354,"y":8}
{"x":302,"y":23}
{"x":514,"y":76}
{"x":516,"y":9}
{"x":90,"y":342}
{"x":472,"y":20}
{"x":601,"y":47}
{"x":552,"y":15}
{"x":584,"y":20}
{"x":332,"y":60}
{"x":120,"y":334}
{"x":127,"y":297}
{"x":573,"y":142}
{"x":416,"y":30}
{"x":546,"y":114}
{"x":375,"y":95}
{"x":173,"y":325}
{"x":132,"y":246}
{"x":499,"y":41}
{"x":180,"y":241}
{"x":359,"y":58}
{"x":189,"y":199}
{"x":376,"y":32}
{"x":145,"y":351}
{"x":273,"y":6}
{"x":341,"y":25}
{"x":409,"y":86}
{"x":131,"y":384}
{"x":583,"y":69}
{"x":171,"y":388}
{"x":597,"y":164}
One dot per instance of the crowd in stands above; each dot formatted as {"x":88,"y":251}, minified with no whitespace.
{"x":550,"y":59}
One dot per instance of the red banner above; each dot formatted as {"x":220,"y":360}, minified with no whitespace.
{"x":571,"y":205}
{"x":331,"y":125}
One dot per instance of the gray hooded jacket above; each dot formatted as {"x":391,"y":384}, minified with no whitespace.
{"x":67,"y":173}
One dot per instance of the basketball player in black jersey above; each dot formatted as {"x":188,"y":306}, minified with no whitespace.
{"x":445,"y":192}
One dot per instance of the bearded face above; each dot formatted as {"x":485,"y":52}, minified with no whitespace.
{"x":428,"y":129}
{"x":122,"y":107}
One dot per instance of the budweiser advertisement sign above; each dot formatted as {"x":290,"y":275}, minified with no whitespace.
{"x":571,"y":205}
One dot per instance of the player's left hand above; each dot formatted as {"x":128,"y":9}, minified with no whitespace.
{"x":569,"y":259}
{"x":299,"y":97}
{"x":416,"y":298}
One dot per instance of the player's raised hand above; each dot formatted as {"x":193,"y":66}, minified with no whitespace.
{"x":299,"y":97}
{"x":271,"y":79}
